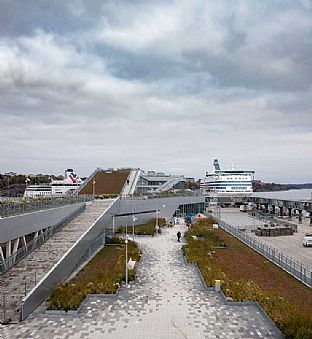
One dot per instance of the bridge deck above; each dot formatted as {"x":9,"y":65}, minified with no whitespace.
{"x":23,"y":276}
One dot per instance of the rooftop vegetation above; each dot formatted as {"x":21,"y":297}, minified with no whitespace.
{"x":103,"y":274}
{"x":148,"y":228}
{"x":246,"y":275}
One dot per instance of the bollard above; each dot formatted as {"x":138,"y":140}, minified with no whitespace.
{"x":217,"y":285}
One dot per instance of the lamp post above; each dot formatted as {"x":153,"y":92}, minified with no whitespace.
{"x":8,"y":190}
{"x":126,"y":242}
{"x":157,"y":227}
{"x":133,"y":220}
{"x":93,"y":188}
{"x":157,"y":212}
{"x":26,"y":181}
{"x":113,"y":223}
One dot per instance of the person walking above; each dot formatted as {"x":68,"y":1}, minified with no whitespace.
{"x":179,"y":236}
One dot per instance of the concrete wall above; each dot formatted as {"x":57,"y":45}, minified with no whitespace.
{"x":16,"y":226}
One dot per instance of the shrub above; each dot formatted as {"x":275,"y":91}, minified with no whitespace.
{"x":148,"y":228}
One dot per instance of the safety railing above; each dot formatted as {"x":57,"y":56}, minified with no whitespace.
{"x":293,"y":266}
{"x":157,"y":195}
{"x":92,"y":238}
{"x":36,"y":242}
{"x":21,"y":206}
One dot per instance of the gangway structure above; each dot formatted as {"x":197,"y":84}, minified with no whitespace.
{"x":131,"y":182}
{"x":168,"y":184}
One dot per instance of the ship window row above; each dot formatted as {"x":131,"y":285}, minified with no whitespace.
{"x":71,"y":184}
{"x":233,"y":175}
{"x":36,"y":194}
{"x":235,"y":178}
{"x":232,"y":188}
{"x":238,"y":191}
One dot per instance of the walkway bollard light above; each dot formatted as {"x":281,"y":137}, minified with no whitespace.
{"x":217,"y":285}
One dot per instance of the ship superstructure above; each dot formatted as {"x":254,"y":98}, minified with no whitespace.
{"x":69,"y":185}
{"x":227,"y":182}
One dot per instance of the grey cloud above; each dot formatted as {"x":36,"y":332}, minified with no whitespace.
{"x":158,"y":85}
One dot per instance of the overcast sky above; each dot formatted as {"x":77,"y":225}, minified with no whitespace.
{"x":163,"y":85}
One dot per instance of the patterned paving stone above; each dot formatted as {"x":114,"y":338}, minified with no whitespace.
{"x":167,"y":300}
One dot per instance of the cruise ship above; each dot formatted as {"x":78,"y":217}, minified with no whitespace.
{"x":227,"y":182}
{"x":69,"y":185}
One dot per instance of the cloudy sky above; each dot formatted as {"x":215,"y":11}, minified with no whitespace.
{"x":163,"y":85}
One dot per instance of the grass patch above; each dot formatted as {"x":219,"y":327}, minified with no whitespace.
{"x":148,"y":228}
{"x":103,"y":274}
{"x":247,"y":275}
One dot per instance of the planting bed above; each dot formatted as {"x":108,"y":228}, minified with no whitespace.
{"x":144,"y":229}
{"x":246,"y":275}
{"x":103,"y":274}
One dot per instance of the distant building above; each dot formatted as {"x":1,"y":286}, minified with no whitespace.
{"x":158,"y":182}
{"x":108,"y":181}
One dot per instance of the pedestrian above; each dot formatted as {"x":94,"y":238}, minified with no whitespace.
{"x":179,"y":236}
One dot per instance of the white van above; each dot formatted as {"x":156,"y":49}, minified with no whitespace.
{"x":307,"y":240}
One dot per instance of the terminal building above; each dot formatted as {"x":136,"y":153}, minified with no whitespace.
{"x":130,"y":181}
{"x":158,"y":182}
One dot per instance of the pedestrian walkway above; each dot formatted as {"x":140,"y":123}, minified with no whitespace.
{"x":22,"y":277}
{"x":167,"y":300}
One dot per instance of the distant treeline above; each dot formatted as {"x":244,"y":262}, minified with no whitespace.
{"x":267,"y":187}
{"x":14,"y":184}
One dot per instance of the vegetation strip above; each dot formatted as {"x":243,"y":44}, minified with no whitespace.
{"x":246,"y":275}
{"x":102,"y":275}
{"x":148,"y":228}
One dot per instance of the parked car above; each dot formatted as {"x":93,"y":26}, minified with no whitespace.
{"x":307,"y":240}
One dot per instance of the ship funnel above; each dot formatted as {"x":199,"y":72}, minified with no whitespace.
{"x":216,"y":165}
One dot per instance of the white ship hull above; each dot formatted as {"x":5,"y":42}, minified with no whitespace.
{"x":69,"y":185}
{"x":228,"y":183}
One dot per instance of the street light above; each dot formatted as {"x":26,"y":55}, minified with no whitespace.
{"x":93,"y":188}
{"x":126,"y":242}
{"x":157,"y":212}
{"x":113,"y":216}
{"x":157,"y":227}
{"x":133,"y":220}
{"x":26,"y":181}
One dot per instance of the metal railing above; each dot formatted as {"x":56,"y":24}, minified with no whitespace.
{"x":293,"y":266}
{"x":36,"y":242}
{"x":94,"y":247}
{"x":21,"y":206}
{"x":157,"y":195}
{"x":69,"y":261}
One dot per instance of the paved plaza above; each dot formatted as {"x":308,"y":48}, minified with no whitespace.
{"x":167,"y":300}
